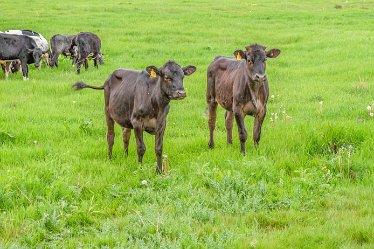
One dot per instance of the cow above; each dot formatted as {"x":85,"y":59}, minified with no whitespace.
{"x":60,"y":45}
{"x":40,"y":41}
{"x":240,"y":86}
{"x":10,"y":66}
{"x":87,"y":43}
{"x":24,"y":48}
{"x":140,"y":100}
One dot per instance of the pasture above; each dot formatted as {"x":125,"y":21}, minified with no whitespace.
{"x":308,"y":185}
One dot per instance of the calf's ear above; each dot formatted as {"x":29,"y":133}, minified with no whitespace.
{"x":153,"y":71}
{"x":239,"y":54}
{"x":273,"y":53}
{"x":189,"y":70}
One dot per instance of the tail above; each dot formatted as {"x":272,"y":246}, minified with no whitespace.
{"x":80,"y":85}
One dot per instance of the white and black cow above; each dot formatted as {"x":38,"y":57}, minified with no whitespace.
{"x":20,"y":47}
{"x":40,"y":41}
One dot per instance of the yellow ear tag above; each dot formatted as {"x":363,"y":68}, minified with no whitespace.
{"x":153,"y":73}
{"x":238,"y":57}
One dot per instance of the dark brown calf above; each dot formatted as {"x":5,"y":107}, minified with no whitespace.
{"x":240,"y":86}
{"x":139,"y":100}
{"x":61,"y":44}
{"x":87,"y":43}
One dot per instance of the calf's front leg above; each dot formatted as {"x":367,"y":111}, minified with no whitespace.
{"x":25,"y":70}
{"x":126,"y":133}
{"x":259,"y":119}
{"x":158,"y":144}
{"x":140,"y":146}
{"x":239,"y":117}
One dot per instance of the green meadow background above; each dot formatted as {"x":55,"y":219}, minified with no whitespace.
{"x":308,"y":185}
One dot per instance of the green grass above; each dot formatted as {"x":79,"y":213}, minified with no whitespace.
{"x":58,"y":189}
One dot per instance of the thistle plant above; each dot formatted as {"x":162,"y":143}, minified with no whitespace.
{"x":273,"y":118}
{"x":344,"y":153}
{"x":286,"y":117}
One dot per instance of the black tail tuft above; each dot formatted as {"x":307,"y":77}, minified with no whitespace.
{"x":79,"y":85}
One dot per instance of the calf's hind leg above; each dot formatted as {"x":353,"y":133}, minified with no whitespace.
{"x":229,"y":120}
{"x":139,"y":140}
{"x":212,"y":106}
{"x":110,"y":132}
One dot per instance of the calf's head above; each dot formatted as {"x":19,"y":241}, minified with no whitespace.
{"x":171,"y":78}
{"x":255,"y":56}
{"x":100,"y":58}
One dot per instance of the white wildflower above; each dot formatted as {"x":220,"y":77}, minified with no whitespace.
{"x":369,"y":108}
{"x":144,"y":182}
{"x":371,"y":114}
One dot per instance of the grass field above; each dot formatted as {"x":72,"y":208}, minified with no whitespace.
{"x":59,"y":190}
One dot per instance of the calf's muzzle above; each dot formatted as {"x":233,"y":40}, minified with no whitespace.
{"x":259,"y":77}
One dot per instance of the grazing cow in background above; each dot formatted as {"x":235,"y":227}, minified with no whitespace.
{"x":10,"y":66}
{"x":241,"y":87}
{"x":21,"y":47}
{"x":87,"y":43}
{"x":40,"y":41}
{"x":61,"y":44}
{"x":139,"y":100}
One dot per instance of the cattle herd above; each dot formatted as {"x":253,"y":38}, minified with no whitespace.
{"x":18,"y":48}
{"x":139,"y":100}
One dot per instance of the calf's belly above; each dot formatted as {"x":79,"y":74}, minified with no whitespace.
{"x":225,"y":103}
{"x":149,"y":125}
{"x":250,"y":109}
{"x":122,"y":120}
